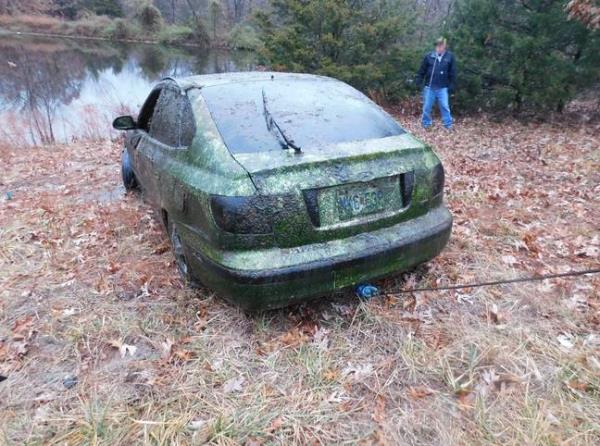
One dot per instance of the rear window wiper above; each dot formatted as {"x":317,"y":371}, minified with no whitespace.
{"x":273,"y":127}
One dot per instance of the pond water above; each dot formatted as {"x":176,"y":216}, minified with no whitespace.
{"x":55,"y":90}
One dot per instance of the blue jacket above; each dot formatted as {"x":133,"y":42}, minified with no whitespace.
{"x":437,"y":74}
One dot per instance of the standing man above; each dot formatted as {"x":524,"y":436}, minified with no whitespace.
{"x":438,"y":74}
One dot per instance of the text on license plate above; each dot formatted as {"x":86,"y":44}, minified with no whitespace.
{"x":351,"y":201}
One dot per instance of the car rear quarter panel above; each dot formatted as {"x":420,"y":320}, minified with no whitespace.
{"x":189,"y":176}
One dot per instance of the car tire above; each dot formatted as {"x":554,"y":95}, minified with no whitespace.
{"x":129,"y":179}
{"x":180,"y":257}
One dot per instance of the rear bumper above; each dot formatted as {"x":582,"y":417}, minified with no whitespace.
{"x":278,"y":277}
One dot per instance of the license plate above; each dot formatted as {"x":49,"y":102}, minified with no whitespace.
{"x":355,"y":201}
{"x":352,"y":201}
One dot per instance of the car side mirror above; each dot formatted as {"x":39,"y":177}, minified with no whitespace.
{"x":124,"y":123}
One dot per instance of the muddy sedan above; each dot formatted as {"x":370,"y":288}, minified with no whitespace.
{"x":277,"y":187}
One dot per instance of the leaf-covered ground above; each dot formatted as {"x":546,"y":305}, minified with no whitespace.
{"x":101,"y":344}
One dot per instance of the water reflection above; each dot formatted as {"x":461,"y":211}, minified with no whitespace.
{"x":61,"y":90}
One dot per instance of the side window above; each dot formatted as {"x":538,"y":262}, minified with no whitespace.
{"x":145,"y":116}
{"x":173,"y":120}
{"x":164,"y":126}
{"x":188,"y":122}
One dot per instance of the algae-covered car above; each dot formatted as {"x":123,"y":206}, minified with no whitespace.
{"x":277,"y":187}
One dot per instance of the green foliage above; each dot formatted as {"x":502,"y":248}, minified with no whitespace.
{"x":90,"y":26}
{"x":244,"y":36}
{"x":521,"y":55}
{"x":64,"y":8}
{"x":201,"y":36}
{"x":511,"y":54}
{"x":365,"y":43}
{"x":150,"y":18}
{"x":176,"y":34}
{"x":122,"y":29}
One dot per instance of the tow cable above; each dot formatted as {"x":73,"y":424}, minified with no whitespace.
{"x":535,"y":278}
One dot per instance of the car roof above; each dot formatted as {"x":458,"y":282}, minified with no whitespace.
{"x":209,"y":80}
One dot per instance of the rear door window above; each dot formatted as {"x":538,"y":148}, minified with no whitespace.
{"x":147,"y":111}
{"x":173,"y":119}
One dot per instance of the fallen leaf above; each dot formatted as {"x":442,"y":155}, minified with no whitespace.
{"x":331,"y":375}
{"x":19,"y":348}
{"x":379,"y":413}
{"x":466,"y":398}
{"x":418,"y":392}
{"x":293,"y":338}
{"x":321,"y":339}
{"x":509,"y":260}
{"x":551,"y":418}
{"x":183,"y":355}
{"x":275,"y":425}
{"x":358,"y":372}
{"x":167,"y":348}
{"x":493,"y":315}
{"x":566,"y":340}
{"x":576,"y":384}
{"x":529,"y":240}
{"x":113,"y":267}
{"x":127,"y":349}
{"x":161,"y":249}
{"x":196,"y":425}
{"x":589,"y":251}
{"x":234,"y":384}
{"x":22,"y":328}
{"x":124,"y":349}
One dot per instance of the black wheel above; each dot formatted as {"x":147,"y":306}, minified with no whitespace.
{"x":180,"y":258}
{"x":129,"y":179}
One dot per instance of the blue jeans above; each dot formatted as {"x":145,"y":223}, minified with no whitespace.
{"x":430,"y":95}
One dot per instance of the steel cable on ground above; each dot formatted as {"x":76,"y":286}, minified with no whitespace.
{"x":536,"y":278}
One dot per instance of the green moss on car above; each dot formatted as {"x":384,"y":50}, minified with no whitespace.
{"x":282,"y":187}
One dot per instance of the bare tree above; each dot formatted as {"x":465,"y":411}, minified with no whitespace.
{"x":173,"y":10}
{"x":25,"y":6}
{"x":215,"y":13}
{"x":194,"y":9}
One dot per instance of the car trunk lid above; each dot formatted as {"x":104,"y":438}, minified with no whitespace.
{"x":360,"y":185}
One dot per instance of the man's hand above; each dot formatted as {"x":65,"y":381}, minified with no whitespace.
{"x":411,"y":85}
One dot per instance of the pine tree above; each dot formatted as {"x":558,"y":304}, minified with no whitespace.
{"x":521,"y":54}
{"x":365,"y":43}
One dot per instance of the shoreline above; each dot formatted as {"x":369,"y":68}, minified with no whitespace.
{"x":5,"y":31}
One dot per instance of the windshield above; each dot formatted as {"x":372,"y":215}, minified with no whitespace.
{"x":311,"y":112}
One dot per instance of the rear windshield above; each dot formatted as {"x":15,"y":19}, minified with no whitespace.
{"x":310,"y":112}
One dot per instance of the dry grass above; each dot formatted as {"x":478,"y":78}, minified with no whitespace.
{"x":88,"y":290}
{"x":34,"y":22}
{"x":92,"y":26}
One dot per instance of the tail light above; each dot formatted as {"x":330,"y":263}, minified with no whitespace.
{"x":245,"y":215}
{"x":437,"y":180}
{"x":407,"y":182}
